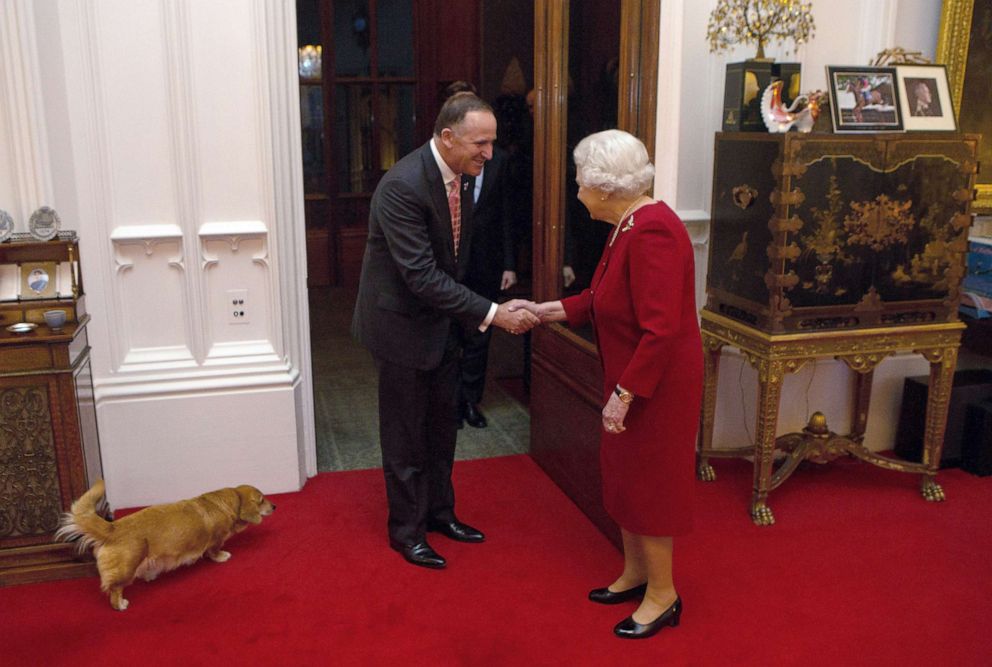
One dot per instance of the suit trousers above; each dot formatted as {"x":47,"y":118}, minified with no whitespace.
{"x":475,"y":359}
{"x":417,"y":434}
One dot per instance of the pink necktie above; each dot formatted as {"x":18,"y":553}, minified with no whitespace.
{"x":455,"y":207}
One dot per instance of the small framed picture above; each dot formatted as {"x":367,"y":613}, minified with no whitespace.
{"x":39,"y":280}
{"x":926,"y":98}
{"x":864,"y":99}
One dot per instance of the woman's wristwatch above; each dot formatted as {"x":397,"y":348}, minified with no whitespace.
{"x":625,"y":396}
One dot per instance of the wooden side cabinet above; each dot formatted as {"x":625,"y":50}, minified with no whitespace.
{"x":49,"y":444}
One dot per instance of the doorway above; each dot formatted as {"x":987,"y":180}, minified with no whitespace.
{"x":371,"y":74}
{"x":594,"y":66}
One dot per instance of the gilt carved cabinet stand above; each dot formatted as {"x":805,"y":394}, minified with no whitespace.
{"x":848,"y":247}
{"x":775,"y":356}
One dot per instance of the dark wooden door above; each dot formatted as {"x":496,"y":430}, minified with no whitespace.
{"x":595,"y":68}
{"x":370,"y":74}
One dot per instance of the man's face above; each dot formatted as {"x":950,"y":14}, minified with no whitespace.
{"x":467,"y":146}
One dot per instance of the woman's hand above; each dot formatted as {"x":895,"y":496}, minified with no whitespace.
{"x":549,"y":311}
{"x":614,"y":412}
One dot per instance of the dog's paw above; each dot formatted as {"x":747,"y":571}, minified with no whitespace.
{"x":220,"y":556}
{"x":122,"y":605}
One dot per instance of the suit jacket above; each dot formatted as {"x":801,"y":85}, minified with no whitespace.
{"x":493,"y":249}
{"x":410,"y":286}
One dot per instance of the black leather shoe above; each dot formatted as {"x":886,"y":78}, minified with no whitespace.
{"x":456,"y":530}
{"x":606,"y":596}
{"x":420,"y":554}
{"x":473,"y":416}
{"x":628,"y":628}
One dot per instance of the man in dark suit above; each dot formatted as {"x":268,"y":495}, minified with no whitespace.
{"x":491,"y":269}
{"x":411,"y":303}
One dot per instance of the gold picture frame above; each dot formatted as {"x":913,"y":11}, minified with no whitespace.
{"x":958,"y":49}
{"x":39,"y":280}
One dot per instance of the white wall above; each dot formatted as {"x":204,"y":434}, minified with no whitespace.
{"x":165,"y":134}
{"x":690,"y":98}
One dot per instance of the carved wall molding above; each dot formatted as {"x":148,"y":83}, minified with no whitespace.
{"x":233,"y":233}
{"x":276,"y":27}
{"x":153,"y":303}
{"x":149,"y":237}
{"x":185,"y":159}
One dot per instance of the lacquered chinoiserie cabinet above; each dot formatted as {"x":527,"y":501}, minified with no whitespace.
{"x":850,"y":247}
{"x":831,"y":231}
{"x":49,"y":445}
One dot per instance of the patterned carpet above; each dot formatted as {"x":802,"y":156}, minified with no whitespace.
{"x":346,"y":399}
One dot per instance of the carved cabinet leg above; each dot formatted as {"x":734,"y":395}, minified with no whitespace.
{"x":942,"y":363}
{"x":711,"y":373}
{"x":862,"y":399}
{"x":770,"y":376}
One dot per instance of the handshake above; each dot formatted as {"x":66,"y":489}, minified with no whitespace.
{"x":520,"y":315}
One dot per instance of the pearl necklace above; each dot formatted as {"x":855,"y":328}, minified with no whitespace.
{"x":623,"y":217}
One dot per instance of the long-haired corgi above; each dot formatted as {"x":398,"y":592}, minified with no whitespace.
{"x":162,"y":537}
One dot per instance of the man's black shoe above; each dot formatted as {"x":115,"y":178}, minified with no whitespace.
{"x":456,"y":530}
{"x":473,"y":416}
{"x":420,"y":554}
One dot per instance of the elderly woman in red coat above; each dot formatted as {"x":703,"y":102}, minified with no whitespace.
{"x":641,"y":302}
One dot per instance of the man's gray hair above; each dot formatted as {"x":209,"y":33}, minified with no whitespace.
{"x":614,"y":161}
{"x":453,"y":111}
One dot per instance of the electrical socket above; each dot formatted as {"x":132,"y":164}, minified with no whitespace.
{"x":237,"y":306}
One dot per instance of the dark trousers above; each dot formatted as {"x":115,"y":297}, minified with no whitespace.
{"x":417,"y":433}
{"x":475,"y":358}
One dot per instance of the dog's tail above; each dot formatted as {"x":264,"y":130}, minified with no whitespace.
{"x":82,"y":522}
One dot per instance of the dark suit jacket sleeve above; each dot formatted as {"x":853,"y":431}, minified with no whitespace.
{"x":402,"y":221}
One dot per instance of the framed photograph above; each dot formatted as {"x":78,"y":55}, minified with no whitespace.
{"x":926,"y":98}
{"x":965,"y":46}
{"x":39,"y":280}
{"x":864,"y":99}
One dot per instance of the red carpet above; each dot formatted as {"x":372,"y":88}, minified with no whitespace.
{"x":859,"y":570}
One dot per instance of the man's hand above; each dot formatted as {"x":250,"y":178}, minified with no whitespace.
{"x":508,"y":281}
{"x":515,"y":317}
{"x":549,"y":311}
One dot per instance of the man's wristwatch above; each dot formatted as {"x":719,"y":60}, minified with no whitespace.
{"x":624,"y":395}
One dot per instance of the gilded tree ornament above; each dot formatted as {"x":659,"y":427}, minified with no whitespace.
{"x":760,"y":22}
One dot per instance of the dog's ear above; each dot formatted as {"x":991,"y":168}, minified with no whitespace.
{"x":251,"y":499}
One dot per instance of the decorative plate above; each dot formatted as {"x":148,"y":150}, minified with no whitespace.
{"x":44,"y":224}
{"x":22,"y":327}
{"x":6,"y":225}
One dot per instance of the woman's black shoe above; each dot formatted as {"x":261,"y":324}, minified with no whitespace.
{"x":628,"y":628}
{"x":606,"y":596}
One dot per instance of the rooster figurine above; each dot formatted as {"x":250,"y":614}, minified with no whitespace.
{"x":802,"y":114}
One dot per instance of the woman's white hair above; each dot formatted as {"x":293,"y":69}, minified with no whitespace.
{"x":614,"y":161}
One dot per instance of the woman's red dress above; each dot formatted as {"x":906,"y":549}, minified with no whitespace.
{"x":641,"y":302}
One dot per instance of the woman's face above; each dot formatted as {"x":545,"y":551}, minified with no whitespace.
{"x":593,"y":200}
